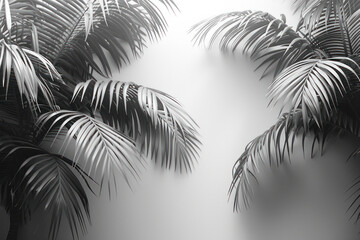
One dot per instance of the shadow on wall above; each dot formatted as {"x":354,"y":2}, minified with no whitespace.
{"x":308,"y":198}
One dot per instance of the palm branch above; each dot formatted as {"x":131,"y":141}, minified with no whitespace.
{"x":72,"y":35}
{"x":50,"y":52}
{"x":353,"y":26}
{"x":276,"y":145}
{"x":314,"y":86}
{"x":316,"y":76}
{"x":266,"y":39}
{"x":154,"y":119}
{"x":102,"y":147}
{"x":325,"y":23}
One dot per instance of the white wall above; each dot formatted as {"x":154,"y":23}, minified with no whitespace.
{"x":226,"y":99}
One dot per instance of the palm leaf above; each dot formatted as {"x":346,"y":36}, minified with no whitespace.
{"x":351,"y":6}
{"x":265,"y":38}
{"x":102,"y":148}
{"x":276,"y":144}
{"x":353,"y":196}
{"x":22,"y":17}
{"x":25,"y":65}
{"x":155,"y":120}
{"x":300,"y":5}
{"x":6,"y":13}
{"x":325,"y":23}
{"x":272,"y":146}
{"x":314,"y":86}
{"x":354,"y":26}
{"x":348,"y":6}
{"x":47,"y":180}
{"x":73,"y":34}
{"x":314,"y":11}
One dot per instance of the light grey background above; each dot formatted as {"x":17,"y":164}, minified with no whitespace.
{"x":224,"y":96}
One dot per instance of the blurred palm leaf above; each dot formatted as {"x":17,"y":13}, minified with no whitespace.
{"x":155,"y":120}
{"x":265,"y":38}
{"x":316,"y":75}
{"x":276,"y":145}
{"x":272,"y":146}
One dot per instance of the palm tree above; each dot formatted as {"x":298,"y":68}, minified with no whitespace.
{"x":50,"y":98}
{"x":315,"y":79}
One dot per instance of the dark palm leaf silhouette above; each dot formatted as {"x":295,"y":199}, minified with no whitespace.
{"x":316,"y":77}
{"x":50,"y":99}
{"x":48,"y":180}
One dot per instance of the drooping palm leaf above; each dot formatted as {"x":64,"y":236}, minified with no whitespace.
{"x":316,"y":76}
{"x":46,"y":180}
{"x":103,"y":149}
{"x":270,"y":147}
{"x":155,"y":120}
{"x":313,"y":86}
{"x":25,"y":65}
{"x":276,"y":144}
{"x":265,"y":38}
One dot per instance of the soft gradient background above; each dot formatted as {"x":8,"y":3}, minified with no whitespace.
{"x":224,"y":96}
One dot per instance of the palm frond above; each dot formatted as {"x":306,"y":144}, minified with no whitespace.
{"x":353,"y":197}
{"x":26,"y":66}
{"x":276,"y":144}
{"x":314,"y":86}
{"x":155,"y":120}
{"x":312,"y":11}
{"x":47,"y":180}
{"x":6,"y":13}
{"x":351,"y":6}
{"x":324,"y":22}
{"x":265,"y":38}
{"x":300,"y":5}
{"x":73,"y":34}
{"x":354,"y":27}
{"x":348,"y":6}
{"x":22,"y":30}
{"x":272,"y":147}
{"x":102,"y":149}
